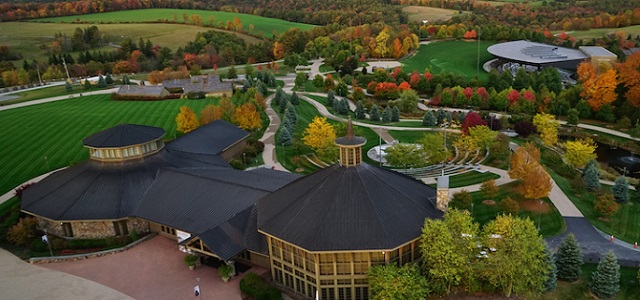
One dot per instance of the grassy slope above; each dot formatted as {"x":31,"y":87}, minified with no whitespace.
{"x":25,"y":37}
{"x":55,"y":131}
{"x":600,"y":32}
{"x":432,"y":14}
{"x":458,"y":57}
{"x":263,"y":25}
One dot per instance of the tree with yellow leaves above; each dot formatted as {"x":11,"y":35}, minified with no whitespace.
{"x":186,"y":120}
{"x":479,"y":137}
{"x":580,"y":151}
{"x":319,"y":136}
{"x":247,"y":117}
{"x":228,"y":108}
{"x":536,"y":182}
{"x":547,"y":127}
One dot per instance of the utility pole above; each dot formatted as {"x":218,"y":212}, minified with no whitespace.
{"x":38,"y":70}
{"x":380,"y":145}
{"x":64,"y":63}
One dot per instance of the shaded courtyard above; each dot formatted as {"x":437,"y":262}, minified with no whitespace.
{"x":153,"y":270}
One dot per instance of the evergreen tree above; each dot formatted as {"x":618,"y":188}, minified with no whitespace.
{"x":331,"y":97}
{"x":125,"y":79}
{"x":429,"y":119}
{"x":87,"y":84}
{"x":344,"y":106}
{"x":108,"y":79}
{"x":272,"y":81}
{"x":68,"y":87}
{"x":262,"y":88}
{"x":279,"y":96}
{"x":284,"y":137}
{"x":283,"y":103}
{"x":288,"y":124}
{"x":290,"y":112}
{"x":395,"y":114}
{"x":337,"y":106}
{"x":386,"y":115}
{"x":374,"y":114}
{"x":101,"y":82}
{"x":441,"y":116}
{"x":359,"y":112}
{"x":591,"y":176}
{"x":245,"y":86}
{"x":551,"y":282}
{"x":569,"y":259}
{"x":232,"y":73}
{"x":620,"y":189}
{"x":295,"y":100}
{"x":606,"y":279}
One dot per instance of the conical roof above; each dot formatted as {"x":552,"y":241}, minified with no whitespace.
{"x":350,"y":139}
{"x":124,"y":135}
{"x":339,"y":208}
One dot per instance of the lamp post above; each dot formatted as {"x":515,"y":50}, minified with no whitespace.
{"x":540,"y":214}
{"x":284,"y":154}
{"x":478,"y":54}
{"x":380,"y":146}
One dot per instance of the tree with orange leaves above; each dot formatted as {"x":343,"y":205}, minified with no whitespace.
{"x":598,"y":86}
{"x":247,"y":117}
{"x":278,"y":50}
{"x":397,"y":48}
{"x":629,"y":75}
{"x":210,"y":113}
{"x":535,"y":181}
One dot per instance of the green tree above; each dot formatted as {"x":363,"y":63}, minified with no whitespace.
{"x":518,"y":263}
{"x":407,"y":102}
{"x":573,"y":116}
{"x":359,"y":112}
{"x":342,"y":89}
{"x":583,"y":108}
{"x":591,"y":176}
{"x":552,"y":278}
{"x":461,"y":200}
{"x":290,"y":112}
{"x":295,"y":100}
{"x":284,"y":137}
{"x":232,"y":73}
{"x":429,"y":119}
{"x":393,"y":282}
{"x":395,"y":114}
{"x":331,"y":97}
{"x":374,"y":114}
{"x":605,"y":282}
{"x":489,"y":189}
{"x":68,"y":87}
{"x":386,"y":115}
{"x":620,"y":189}
{"x":101,"y":81}
{"x":433,"y":148}
{"x":283,"y":103}
{"x":279,"y":96}
{"x":405,"y":155}
{"x":451,"y":247}
{"x":87,"y":84}
{"x":318,"y":81}
{"x":301,"y":79}
{"x":569,"y":259}
{"x":108,"y":79}
{"x":125,"y":79}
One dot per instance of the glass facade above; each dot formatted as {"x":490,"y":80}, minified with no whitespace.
{"x":124,"y":153}
{"x":335,"y":275}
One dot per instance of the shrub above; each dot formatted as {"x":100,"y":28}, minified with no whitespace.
{"x":461,"y":200}
{"x":22,"y":233}
{"x":525,"y":128}
{"x":489,"y":188}
{"x":256,"y":287}
{"x":606,"y":279}
{"x":569,"y":259}
{"x":21,"y":189}
{"x":509,"y":205}
{"x":37,"y":245}
{"x":605,"y":205}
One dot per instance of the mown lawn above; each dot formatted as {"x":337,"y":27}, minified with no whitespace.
{"x":265,"y":26}
{"x":45,"y":137}
{"x":624,"y":225}
{"x":470,"y":178}
{"x":551,"y":223}
{"x":458,"y":57}
{"x":52,"y":91}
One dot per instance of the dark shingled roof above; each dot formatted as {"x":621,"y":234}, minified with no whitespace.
{"x":350,"y":139}
{"x":207,"y":84}
{"x":212,"y":138}
{"x":141,"y":90}
{"x":339,"y":208}
{"x":96,"y":191}
{"x":124,"y":135}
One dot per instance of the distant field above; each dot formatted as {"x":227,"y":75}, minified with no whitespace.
{"x":600,"y":32}
{"x":262,"y":25}
{"x":432,"y":14}
{"x":55,"y":130}
{"x":458,"y":57}
{"x":26,"y":37}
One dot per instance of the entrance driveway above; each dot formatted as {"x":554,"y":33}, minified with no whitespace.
{"x":153,"y":270}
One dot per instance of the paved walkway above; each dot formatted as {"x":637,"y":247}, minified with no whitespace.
{"x":21,"y":280}
{"x":268,"y":138}
{"x":152,"y":270}
{"x":52,"y":99}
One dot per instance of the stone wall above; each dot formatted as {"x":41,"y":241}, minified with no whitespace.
{"x":91,"y":229}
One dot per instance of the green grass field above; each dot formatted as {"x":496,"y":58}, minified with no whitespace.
{"x":52,"y":91}
{"x":470,"y":178}
{"x":458,"y":57}
{"x":432,"y":14}
{"x":600,"y":32}
{"x":45,"y":137}
{"x":262,"y":25}
{"x":26,"y":37}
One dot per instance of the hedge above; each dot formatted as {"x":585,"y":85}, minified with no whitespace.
{"x":258,"y":288}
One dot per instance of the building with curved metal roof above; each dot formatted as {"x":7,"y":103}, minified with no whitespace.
{"x":537,"y":54}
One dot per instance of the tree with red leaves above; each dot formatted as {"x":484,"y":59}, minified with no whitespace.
{"x":471,"y":120}
{"x":513,"y":96}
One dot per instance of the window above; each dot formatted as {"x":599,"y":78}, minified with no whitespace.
{"x":120,"y":227}
{"x":288,"y":280}
{"x":66,"y":228}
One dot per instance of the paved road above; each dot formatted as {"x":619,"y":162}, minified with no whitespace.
{"x":21,"y":280}
{"x":52,"y":99}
